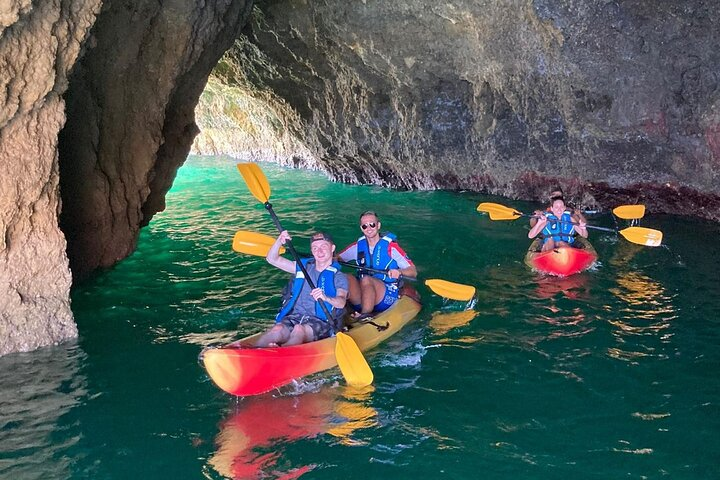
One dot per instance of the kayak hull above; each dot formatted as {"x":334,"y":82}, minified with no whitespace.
{"x":241,"y":370}
{"x":562,"y":261}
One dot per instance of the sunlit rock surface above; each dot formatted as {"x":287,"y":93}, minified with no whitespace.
{"x":128,"y":115}
{"x":616,"y":101}
{"x":39,"y":43}
{"x":248,"y":125}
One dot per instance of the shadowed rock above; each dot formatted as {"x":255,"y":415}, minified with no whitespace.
{"x":131,"y":118}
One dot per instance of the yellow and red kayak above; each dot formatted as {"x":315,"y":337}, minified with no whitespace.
{"x":561,"y":261}
{"x":242,"y":370}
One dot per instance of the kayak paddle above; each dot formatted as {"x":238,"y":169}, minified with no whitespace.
{"x":626,"y":212}
{"x":629,"y":212}
{"x":640,"y":235}
{"x":349,"y":358}
{"x":258,"y":244}
{"x":351,"y":361}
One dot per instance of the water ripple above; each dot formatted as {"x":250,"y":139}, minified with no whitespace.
{"x":39,"y":390}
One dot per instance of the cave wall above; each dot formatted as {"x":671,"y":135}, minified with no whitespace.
{"x":126,"y":111}
{"x":616,"y":101}
{"x":130,"y":108}
{"x":39,"y":43}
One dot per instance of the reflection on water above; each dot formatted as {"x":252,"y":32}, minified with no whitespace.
{"x":572,"y":324}
{"x":643,"y":295}
{"x":253,"y":439}
{"x":38,"y":388}
{"x":572,"y":287}
{"x":624,"y":253}
{"x":537,"y":396}
{"x":564,"y":298}
{"x":443,"y":322}
{"x":352,"y":414}
{"x":645,"y":314}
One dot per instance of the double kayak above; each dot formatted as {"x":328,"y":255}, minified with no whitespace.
{"x":242,"y":369}
{"x":561,"y":261}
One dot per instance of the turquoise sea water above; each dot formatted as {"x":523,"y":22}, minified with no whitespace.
{"x":612,"y":373}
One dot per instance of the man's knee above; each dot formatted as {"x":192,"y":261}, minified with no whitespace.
{"x":278,"y":328}
{"x":298,"y":330}
{"x":302,"y":332}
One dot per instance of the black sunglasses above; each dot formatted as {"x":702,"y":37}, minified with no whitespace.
{"x":369,"y":224}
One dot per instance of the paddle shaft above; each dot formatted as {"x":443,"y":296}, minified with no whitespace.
{"x":371,"y":270}
{"x":635,"y":234}
{"x":374,"y":270}
{"x":295,"y":255}
{"x":258,"y":244}
{"x":573,"y":223}
{"x":360,"y":267}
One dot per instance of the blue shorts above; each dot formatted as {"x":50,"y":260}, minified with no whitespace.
{"x":569,"y":241}
{"x":391,"y":295}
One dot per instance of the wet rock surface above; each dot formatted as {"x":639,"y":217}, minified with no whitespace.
{"x":38,"y":45}
{"x":509,"y":98}
{"x":617,"y":102}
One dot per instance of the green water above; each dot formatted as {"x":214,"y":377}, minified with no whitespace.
{"x":612,"y":373}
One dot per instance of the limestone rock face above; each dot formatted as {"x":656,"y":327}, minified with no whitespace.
{"x":615,"y":101}
{"x":247,"y":125}
{"x":130,"y":109}
{"x":39,"y":42}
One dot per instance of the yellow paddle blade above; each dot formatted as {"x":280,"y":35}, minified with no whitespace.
{"x":256,"y":181}
{"x":352,"y":364}
{"x":629,"y":212}
{"x":253,"y":243}
{"x":455,"y":291}
{"x":643,"y":236}
{"x":498,"y":212}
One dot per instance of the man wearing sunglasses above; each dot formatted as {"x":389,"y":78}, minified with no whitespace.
{"x":376,"y":292}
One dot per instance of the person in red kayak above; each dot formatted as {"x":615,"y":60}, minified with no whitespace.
{"x":558,"y":226}
{"x":376,"y":292}
{"x":301,"y":318}
{"x":556,"y":194}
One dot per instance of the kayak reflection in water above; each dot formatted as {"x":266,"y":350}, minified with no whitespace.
{"x":302,"y":318}
{"x":252,"y":441}
{"x":573,"y":287}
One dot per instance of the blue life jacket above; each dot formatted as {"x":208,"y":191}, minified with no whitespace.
{"x":380,"y":259}
{"x":326,"y":281}
{"x":562,"y":230}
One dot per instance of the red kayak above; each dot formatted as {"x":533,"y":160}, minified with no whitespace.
{"x":562,"y":261}
{"x":241,"y":369}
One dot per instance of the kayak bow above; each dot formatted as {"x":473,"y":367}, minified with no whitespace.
{"x":562,"y":261}
{"x":241,"y":369}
